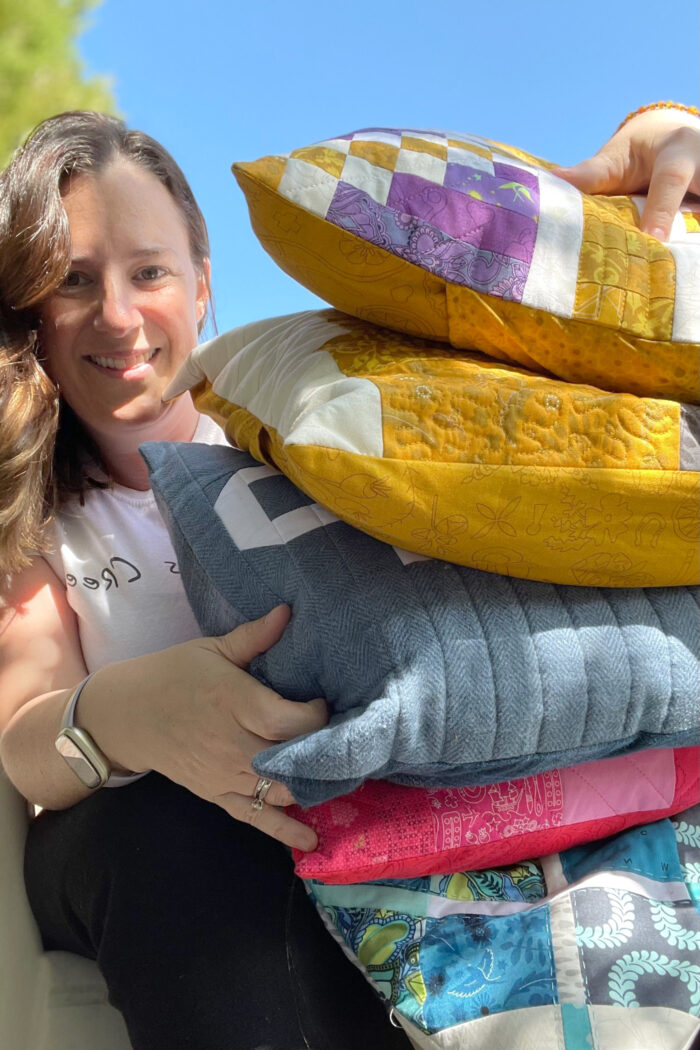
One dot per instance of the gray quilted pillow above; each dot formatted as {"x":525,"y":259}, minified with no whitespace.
{"x":436,"y":674}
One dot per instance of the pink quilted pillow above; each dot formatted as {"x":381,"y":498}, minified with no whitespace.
{"x":383,"y":830}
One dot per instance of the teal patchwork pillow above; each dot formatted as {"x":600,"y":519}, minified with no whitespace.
{"x":597,"y":948}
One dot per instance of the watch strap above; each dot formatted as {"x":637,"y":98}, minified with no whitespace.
{"x":68,"y":722}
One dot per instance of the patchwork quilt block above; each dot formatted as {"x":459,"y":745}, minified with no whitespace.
{"x":436,"y":674}
{"x":452,"y":455}
{"x":382,"y":830}
{"x":456,"y":237}
{"x":595,"y":948}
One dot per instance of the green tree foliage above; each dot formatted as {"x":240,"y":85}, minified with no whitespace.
{"x":41,"y":72}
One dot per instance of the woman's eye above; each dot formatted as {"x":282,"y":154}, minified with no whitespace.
{"x":151,"y":273}
{"x":74,"y":279}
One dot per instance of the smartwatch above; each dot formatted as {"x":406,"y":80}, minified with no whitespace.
{"x":82,"y":754}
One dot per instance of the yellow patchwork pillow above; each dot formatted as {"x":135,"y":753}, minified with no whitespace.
{"x":451,"y":454}
{"x":457,"y":238}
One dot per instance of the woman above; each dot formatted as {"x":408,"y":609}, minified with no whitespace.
{"x":203,"y":936}
{"x":194,"y":918}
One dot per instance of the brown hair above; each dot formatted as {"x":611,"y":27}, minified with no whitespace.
{"x":44,"y":450}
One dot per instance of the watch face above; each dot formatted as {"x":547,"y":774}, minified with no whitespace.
{"x":87,"y":767}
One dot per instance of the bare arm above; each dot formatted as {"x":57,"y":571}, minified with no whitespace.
{"x":191,"y":711}
{"x":40,"y":664}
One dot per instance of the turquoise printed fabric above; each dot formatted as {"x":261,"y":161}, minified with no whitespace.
{"x":490,"y":964}
{"x":650,"y":851}
{"x":614,"y":923}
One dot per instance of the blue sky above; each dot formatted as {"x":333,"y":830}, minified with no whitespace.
{"x":220,"y":80}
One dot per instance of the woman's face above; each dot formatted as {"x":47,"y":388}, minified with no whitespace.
{"x":127,"y":315}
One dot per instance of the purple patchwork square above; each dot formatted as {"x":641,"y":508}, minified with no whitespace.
{"x":423,"y":242}
{"x":465,"y":216}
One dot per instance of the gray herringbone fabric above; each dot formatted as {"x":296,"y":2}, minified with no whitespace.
{"x":436,"y":674}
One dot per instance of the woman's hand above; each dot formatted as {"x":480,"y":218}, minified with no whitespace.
{"x":657,"y":152}
{"x":192,"y":713}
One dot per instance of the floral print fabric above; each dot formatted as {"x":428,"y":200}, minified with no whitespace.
{"x":592,"y":933}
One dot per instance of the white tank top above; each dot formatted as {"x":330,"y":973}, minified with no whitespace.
{"x":121,"y":576}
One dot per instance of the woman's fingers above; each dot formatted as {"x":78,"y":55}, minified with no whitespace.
{"x":208,"y":719}
{"x":245,"y":784}
{"x":657,"y":152}
{"x":602,"y":173}
{"x":241,"y":645}
{"x":274,"y":718}
{"x":268,"y":819}
{"x":676,"y":169}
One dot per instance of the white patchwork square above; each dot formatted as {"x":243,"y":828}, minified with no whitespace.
{"x":408,"y":557}
{"x":374,"y":180}
{"x":469,"y":159}
{"x":248,"y":524}
{"x":473,"y":140}
{"x":428,"y":136}
{"x":551,"y":282}
{"x":339,"y":145}
{"x":515,"y":162}
{"x":302,"y":520}
{"x":639,"y":203}
{"x":679,"y":230}
{"x":424,"y":165}
{"x":389,"y":137}
{"x":309,"y":186}
{"x":283,"y":377}
{"x":686,"y":310}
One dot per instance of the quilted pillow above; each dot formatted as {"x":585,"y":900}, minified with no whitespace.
{"x":458,"y":238}
{"x":595,"y":948}
{"x":453,"y":455}
{"x":383,"y":830}
{"x":436,"y":674}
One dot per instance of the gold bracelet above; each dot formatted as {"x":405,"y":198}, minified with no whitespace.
{"x":693,"y":110}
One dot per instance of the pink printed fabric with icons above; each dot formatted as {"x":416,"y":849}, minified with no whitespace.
{"x":384,"y":830}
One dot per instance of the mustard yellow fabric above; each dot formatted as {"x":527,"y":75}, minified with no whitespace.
{"x":474,"y":461}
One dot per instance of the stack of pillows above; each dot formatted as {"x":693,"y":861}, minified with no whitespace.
{"x":475,"y":480}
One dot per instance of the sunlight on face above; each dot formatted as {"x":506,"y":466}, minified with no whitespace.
{"x":127,"y":314}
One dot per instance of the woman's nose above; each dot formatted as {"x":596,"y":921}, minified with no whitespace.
{"x":117,"y":307}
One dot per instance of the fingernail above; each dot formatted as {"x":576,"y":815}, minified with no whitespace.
{"x":657,"y":232}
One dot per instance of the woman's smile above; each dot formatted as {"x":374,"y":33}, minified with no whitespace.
{"x":124,"y":366}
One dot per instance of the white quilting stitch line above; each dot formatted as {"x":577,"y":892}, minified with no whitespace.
{"x":566,"y":952}
{"x":591,"y":788}
{"x":645,"y":776}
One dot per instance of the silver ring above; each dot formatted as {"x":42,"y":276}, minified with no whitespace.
{"x":261,"y":789}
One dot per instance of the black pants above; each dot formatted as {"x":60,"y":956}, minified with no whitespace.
{"x":205,"y":938}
